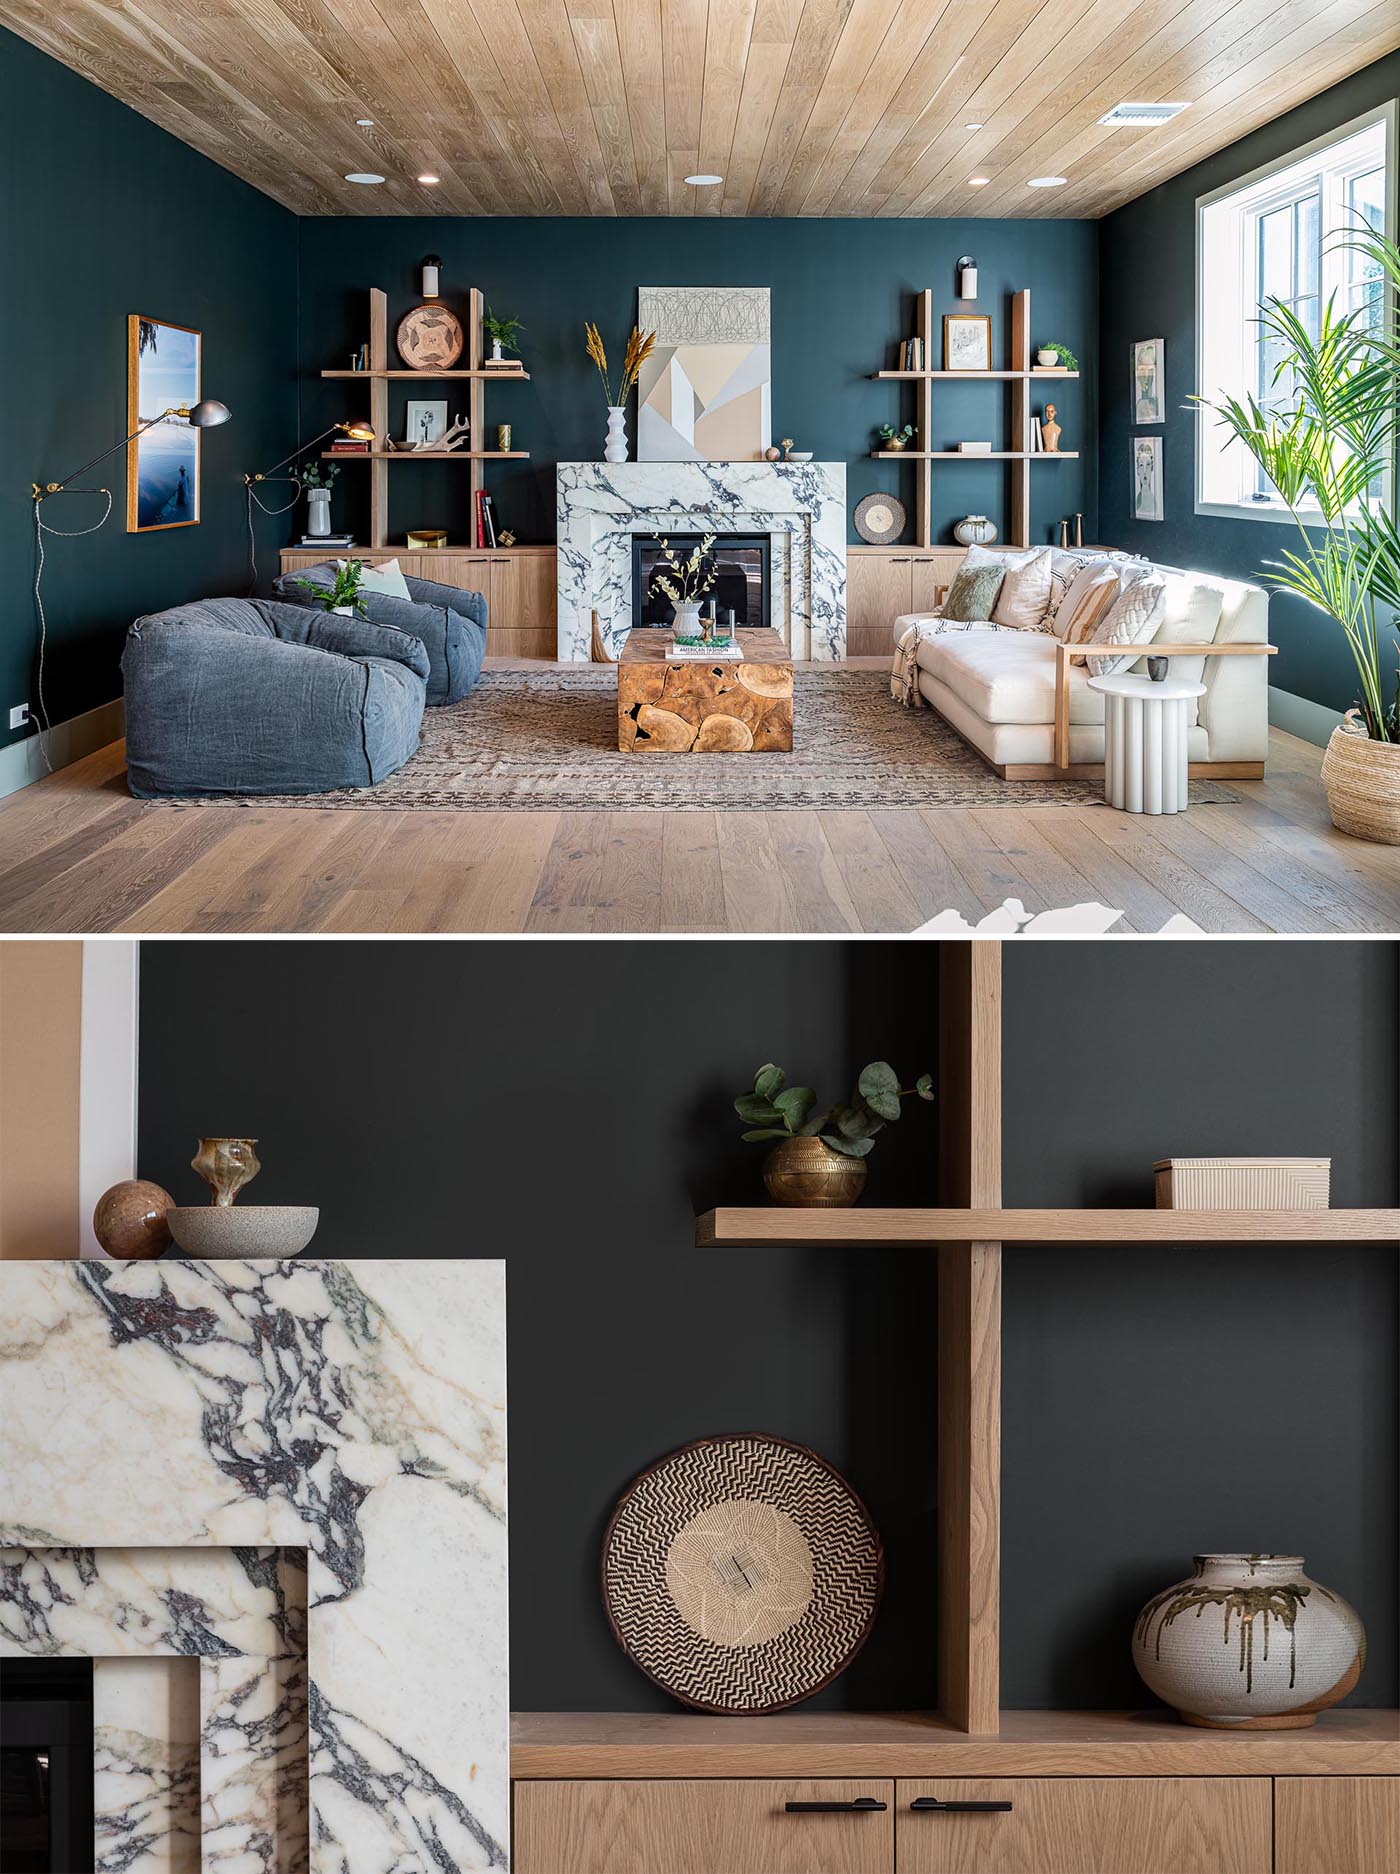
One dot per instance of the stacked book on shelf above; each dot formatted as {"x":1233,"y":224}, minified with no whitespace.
{"x":1037,"y":440}
{"x":911,"y":355}
{"x":503,"y":366}
{"x":344,"y":446}
{"x":485,"y":520}
{"x":329,"y":543}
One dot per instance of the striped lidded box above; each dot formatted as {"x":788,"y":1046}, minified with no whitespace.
{"x":1243,"y":1183}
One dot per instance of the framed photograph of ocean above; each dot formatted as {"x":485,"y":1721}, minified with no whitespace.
{"x":162,"y":465}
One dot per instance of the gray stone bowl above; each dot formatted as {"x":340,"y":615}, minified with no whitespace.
{"x":243,"y":1229}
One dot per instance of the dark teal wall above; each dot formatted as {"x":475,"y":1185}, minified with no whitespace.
{"x":101,"y":215}
{"x":843,"y":294}
{"x":1148,"y":273}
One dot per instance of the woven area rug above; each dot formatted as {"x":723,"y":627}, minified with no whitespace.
{"x":547,"y":740}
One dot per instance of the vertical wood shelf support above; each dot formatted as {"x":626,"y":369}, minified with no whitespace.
{"x":1021,"y":418}
{"x":378,"y":416}
{"x":969,"y":1341}
{"x":923,"y":521}
{"x":476,"y":404}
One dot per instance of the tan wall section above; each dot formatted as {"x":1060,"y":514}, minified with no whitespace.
{"x":41,"y":1021}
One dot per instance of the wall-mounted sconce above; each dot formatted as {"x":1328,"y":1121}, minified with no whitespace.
{"x":967,"y":277}
{"x":431,"y":263}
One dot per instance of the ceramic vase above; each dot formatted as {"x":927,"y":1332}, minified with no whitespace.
{"x":1045,"y":359}
{"x":1248,"y":1642}
{"x":318,"y":511}
{"x":975,"y":531}
{"x":686,"y":623}
{"x":616,"y":450}
{"x":807,"y":1173}
{"x":226,"y":1165}
{"x":496,"y":356}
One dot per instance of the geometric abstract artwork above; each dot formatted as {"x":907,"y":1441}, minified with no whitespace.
{"x":704,"y":394}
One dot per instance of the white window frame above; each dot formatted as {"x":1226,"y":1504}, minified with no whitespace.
{"x":1242,"y":365}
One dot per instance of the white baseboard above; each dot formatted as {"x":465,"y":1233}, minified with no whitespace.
{"x":1298,"y":716}
{"x":21,"y":762}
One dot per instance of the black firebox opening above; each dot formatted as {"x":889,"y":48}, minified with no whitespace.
{"x":741,"y":581}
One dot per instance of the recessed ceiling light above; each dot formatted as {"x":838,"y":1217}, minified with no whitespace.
{"x":1046,"y":182}
{"x":703,"y":182}
{"x":978,"y":182}
{"x":363,"y":175}
{"x":364,"y":122}
{"x":1142,"y":116}
{"x":430,"y":178}
{"x":972,"y":126}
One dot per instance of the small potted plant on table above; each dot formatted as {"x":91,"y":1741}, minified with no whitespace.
{"x":819,"y":1157}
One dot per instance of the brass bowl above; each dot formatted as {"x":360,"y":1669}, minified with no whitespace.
{"x":806,"y":1173}
{"x":427,"y":537}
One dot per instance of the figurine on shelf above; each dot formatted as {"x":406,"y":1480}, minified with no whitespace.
{"x":450,"y":439}
{"x":1050,"y":431}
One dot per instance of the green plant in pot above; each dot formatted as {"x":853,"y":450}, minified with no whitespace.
{"x":894,"y":438}
{"x":1056,"y":357}
{"x":819,"y":1157}
{"x":503,"y":333}
{"x":1326,"y":441}
{"x":343,"y":593}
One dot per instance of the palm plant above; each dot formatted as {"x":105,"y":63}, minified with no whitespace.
{"x":1327,"y":449}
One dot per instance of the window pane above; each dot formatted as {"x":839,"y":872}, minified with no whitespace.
{"x":1276,"y":254}
{"x":1308,"y":252}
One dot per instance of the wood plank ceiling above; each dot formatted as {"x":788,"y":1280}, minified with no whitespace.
{"x":805,"y":107}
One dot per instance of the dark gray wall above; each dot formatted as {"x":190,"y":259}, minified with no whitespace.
{"x":101,"y":215}
{"x":567,"y":1106}
{"x":1147,"y":259}
{"x":1158,"y":1402}
{"x":842,"y":296}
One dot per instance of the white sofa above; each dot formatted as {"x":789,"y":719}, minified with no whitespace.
{"x":1003,"y":690}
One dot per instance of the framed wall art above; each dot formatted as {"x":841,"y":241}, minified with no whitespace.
{"x":1147,"y":478}
{"x":162,"y":465}
{"x":967,"y":341}
{"x":704,"y":392}
{"x":1149,"y":381}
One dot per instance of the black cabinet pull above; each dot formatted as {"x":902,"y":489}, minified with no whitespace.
{"x":933,"y":1802}
{"x":858,"y":1805}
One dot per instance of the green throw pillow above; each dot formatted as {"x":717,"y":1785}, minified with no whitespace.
{"x":972,"y":594}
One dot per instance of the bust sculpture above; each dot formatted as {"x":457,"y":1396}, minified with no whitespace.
{"x":1050,"y":431}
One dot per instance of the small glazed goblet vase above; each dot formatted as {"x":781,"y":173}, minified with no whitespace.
{"x":226,"y":1165}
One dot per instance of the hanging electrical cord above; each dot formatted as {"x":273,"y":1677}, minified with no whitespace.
{"x":263,"y":508}
{"x":42,"y":527}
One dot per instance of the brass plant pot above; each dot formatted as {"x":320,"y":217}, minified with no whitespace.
{"x":806,"y":1173}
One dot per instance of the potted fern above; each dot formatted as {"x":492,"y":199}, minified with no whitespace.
{"x":504,"y":334}
{"x":1326,"y":447}
{"x":342,"y":595}
{"x":819,"y":1160}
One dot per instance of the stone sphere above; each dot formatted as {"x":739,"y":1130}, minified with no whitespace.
{"x":130,"y":1220}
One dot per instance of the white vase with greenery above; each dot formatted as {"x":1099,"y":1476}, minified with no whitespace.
{"x":1326,"y":441}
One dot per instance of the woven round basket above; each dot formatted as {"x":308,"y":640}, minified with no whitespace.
{"x":1362,"y":779}
{"x":741,"y":1574}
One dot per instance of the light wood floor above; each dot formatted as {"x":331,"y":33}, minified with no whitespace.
{"x":77,"y":854}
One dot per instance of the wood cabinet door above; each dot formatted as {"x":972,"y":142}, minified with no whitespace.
{"x":1337,"y":1824}
{"x":878,"y":590}
{"x":1088,"y":1825}
{"x":932,"y":574}
{"x":522,"y":603}
{"x":702,"y":1827}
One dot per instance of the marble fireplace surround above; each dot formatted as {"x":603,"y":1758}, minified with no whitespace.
{"x":243,"y":1420}
{"x":801,"y":506}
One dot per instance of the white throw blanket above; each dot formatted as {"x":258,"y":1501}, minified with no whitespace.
{"x":904,"y":672}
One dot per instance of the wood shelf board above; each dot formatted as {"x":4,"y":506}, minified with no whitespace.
{"x":393,"y":553}
{"x":427,"y":455}
{"x":755,"y":1226}
{"x":964,"y":377}
{"x":975,"y":455}
{"x":918,"y":1744}
{"x":409,"y":376}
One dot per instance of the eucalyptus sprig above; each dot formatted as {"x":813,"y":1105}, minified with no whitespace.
{"x":775,"y":1110}
{"x":684,"y":581}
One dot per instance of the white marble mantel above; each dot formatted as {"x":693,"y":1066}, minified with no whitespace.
{"x":801,"y":506}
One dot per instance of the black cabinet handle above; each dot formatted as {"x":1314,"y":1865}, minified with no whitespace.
{"x":858,"y":1805}
{"x":933,"y":1802}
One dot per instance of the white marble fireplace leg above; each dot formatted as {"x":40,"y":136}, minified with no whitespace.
{"x":145,"y":1785}
{"x":253,"y":1759}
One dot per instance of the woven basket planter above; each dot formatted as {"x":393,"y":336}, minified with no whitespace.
{"x":1362,"y":779}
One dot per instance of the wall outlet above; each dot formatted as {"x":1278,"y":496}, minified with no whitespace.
{"x":19,"y":716}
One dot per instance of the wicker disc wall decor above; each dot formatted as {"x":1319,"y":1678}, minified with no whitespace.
{"x":741,"y":1573}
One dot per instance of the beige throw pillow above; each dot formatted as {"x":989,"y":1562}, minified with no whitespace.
{"x":1132,"y":619}
{"x":1090,"y":598}
{"x":1024,"y":600}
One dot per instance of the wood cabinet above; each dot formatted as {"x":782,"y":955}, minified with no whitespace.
{"x":882,"y":583}
{"x":1086,"y":1825}
{"x":519,"y":584}
{"x":1337,"y":1825}
{"x":704,"y":1827}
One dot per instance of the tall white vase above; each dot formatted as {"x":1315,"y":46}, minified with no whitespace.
{"x":616,"y":450}
{"x":318,"y":511}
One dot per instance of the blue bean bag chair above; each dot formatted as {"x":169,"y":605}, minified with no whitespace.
{"x":451,"y":623}
{"x":244,"y":696}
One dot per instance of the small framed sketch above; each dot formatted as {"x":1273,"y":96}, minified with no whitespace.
{"x":967,"y":341}
{"x":1149,"y":381}
{"x":1147,"y":478}
{"x":162,"y":465}
{"x":425,"y":422}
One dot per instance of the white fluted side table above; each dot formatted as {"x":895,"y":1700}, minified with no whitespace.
{"x":1144,"y":742}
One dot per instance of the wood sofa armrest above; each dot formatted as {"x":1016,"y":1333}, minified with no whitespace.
{"x":1064,"y":652}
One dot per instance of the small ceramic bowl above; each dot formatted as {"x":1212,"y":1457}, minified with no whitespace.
{"x":243,"y":1229}
{"x":800,"y":455}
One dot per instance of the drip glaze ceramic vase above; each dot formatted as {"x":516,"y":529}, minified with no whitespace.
{"x":975,"y":531}
{"x":1249,"y":1643}
{"x":616,"y":447}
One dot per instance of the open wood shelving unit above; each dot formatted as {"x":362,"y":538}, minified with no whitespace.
{"x":1020,"y":376}
{"x":379,"y":376}
{"x":965,"y":1734}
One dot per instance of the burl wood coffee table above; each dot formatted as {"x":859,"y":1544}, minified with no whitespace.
{"x":682,"y":706}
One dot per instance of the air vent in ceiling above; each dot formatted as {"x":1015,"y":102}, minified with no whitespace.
{"x":1142,"y":116}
